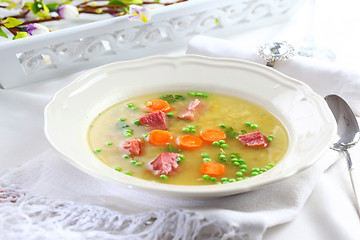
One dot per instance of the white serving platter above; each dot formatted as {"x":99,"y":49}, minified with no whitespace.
{"x":93,"y":44}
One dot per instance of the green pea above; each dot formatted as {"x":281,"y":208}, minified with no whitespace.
{"x":189,"y":129}
{"x":205,"y":177}
{"x":192,"y":93}
{"x":247,"y":123}
{"x":126,"y":156}
{"x":207,"y":159}
{"x":163,"y":176}
{"x":254,"y":125}
{"x":224,"y":179}
{"x":181,"y":156}
{"x":243,"y":170}
{"x":239,"y":179}
{"x":205,"y":155}
{"x":130,"y":105}
{"x":222,"y":125}
{"x":199,"y":94}
{"x":236,"y":163}
{"x":216,"y":143}
{"x":186,"y":130}
{"x":239,"y":174}
{"x":244,"y":166}
{"x":139,"y":164}
{"x":270,"y":138}
{"x":222,"y":141}
{"x":254,"y":173}
{"x":98,"y":150}
{"x":241,"y":161}
{"x":222,"y":157}
{"x":255,"y":170}
{"x":108,"y":143}
{"x":137,"y":122}
{"x":213,"y":179}
{"x":234,"y":159}
{"x":232,"y":180}
{"x":128,"y":132}
{"x":128,"y":173}
{"x":224,"y":182}
{"x":170,"y":114}
{"x":122,"y":119}
{"x":118,"y":169}
{"x":224,"y":145}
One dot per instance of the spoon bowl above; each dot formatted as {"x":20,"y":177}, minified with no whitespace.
{"x":348,"y":128}
{"x":347,"y":136}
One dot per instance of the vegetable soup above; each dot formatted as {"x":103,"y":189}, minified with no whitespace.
{"x":188,"y":138}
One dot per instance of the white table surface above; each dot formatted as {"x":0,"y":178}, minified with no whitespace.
{"x":330,"y":211}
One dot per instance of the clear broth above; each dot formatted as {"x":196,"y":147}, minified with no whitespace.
{"x":106,"y":134}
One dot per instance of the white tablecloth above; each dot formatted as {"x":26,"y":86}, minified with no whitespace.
{"x":330,"y":211}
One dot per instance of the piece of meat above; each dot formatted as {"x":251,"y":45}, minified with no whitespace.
{"x":193,"y":107}
{"x":254,"y":139}
{"x":165,"y":163}
{"x":154,"y":120}
{"x":188,"y":115}
{"x":132,"y":146}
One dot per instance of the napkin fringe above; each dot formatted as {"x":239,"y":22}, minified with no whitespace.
{"x":24,"y":215}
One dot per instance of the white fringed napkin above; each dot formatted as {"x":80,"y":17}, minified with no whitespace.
{"x":47,"y":198}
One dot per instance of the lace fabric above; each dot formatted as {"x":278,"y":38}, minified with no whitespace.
{"x":24,"y":215}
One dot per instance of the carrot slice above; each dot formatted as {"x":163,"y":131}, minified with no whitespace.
{"x":212,"y":135}
{"x":213,"y":169}
{"x":189,"y":142}
{"x":158,"y":105}
{"x":160,"y":137}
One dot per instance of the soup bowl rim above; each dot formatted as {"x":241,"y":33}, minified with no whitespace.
{"x":81,"y":91}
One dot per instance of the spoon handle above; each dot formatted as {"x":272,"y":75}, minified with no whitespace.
{"x":355,"y":181}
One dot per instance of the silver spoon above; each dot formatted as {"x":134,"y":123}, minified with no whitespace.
{"x":348,"y":135}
